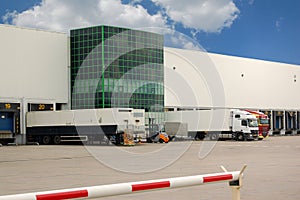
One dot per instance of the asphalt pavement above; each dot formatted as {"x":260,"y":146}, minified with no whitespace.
{"x":273,"y":167}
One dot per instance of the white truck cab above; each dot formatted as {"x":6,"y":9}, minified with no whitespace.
{"x":244,"y":125}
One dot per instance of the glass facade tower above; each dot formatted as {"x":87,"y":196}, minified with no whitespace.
{"x":117,"y":67}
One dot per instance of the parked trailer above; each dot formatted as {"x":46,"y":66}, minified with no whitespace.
{"x":88,"y":125}
{"x":216,"y":123}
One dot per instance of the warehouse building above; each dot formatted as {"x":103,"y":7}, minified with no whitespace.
{"x":103,"y":67}
{"x":34,"y":76}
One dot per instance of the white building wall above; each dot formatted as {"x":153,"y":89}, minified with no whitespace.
{"x":188,"y":79}
{"x":251,"y":83}
{"x":34,"y":70}
{"x":226,"y":81}
{"x":34,"y":64}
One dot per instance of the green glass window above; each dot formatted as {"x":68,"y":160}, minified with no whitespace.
{"x":117,"y":67}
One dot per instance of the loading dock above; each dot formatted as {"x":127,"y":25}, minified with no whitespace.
{"x":9,"y":122}
{"x":298,"y":122}
{"x":290,"y":122}
{"x":6,"y":122}
{"x":278,"y":122}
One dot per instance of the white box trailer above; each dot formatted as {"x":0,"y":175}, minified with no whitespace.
{"x":91,"y":125}
{"x":216,"y":123}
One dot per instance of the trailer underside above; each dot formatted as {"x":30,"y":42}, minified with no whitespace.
{"x":60,"y":134}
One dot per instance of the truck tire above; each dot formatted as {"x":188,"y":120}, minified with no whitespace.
{"x":57,"y":140}
{"x":240,"y":137}
{"x":213,"y":136}
{"x":199,"y":136}
{"x":161,"y":140}
{"x":46,"y":139}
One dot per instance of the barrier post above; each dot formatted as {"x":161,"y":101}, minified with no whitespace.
{"x":234,"y":178}
{"x":236,"y":184}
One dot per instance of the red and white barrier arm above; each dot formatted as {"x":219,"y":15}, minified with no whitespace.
{"x":126,"y":188}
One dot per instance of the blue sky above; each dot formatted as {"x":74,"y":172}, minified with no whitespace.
{"x":267,"y":29}
{"x":262,"y":29}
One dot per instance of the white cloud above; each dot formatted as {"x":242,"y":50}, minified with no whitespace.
{"x":203,"y":15}
{"x":251,"y":2}
{"x":61,"y":15}
{"x":278,"y":23}
{"x":178,"y":40}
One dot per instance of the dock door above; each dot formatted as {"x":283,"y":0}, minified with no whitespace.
{"x":298,"y":122}
{"x":290,"y":121}
{"x":278,"y":121}
{"x":6,"y":122}
{"x":9,"y":122}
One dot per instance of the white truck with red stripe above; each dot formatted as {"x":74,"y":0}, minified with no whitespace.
{"x":263,"y":123}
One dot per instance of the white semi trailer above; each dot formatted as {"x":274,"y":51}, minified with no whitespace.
{"x":215,"y":123}
{"x":88,"y":125}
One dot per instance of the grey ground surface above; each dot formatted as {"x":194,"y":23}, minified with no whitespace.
{"x":273,"y":170}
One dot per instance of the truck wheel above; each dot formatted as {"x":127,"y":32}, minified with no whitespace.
{"x":213,"y":136}
{"x":56,"y":139}
{"x":240,"y":137}
{"x":46,"y":140}
{"x":161,"y":141}
{"x":199,"y":136}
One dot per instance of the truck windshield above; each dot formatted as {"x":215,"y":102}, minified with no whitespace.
{"x":264,"y":121}
{"x":253,"y":123}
